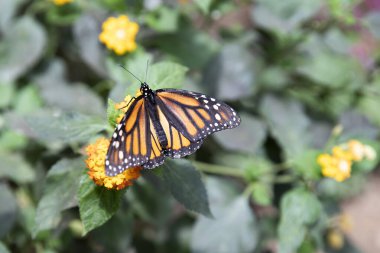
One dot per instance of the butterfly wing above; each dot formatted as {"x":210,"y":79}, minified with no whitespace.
{"x":134,"y":141}
{"x":188,"y":117}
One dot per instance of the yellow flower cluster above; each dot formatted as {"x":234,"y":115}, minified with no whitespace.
{"x":97,"y":154}
{"x":61,"y":2}
{"x":119,"y":34}
{"x":96,"y":164}
{"x":338,"y":164}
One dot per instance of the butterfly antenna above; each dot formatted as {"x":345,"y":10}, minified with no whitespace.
{"x":146,"y":70}
{"x":130,"y":73}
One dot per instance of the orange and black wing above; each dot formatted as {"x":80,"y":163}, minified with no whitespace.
{"x":189,"y":117}
{"x":134,"y":141}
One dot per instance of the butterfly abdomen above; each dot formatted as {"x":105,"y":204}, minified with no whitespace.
{"x":152,"y":110}
{"x":161,"y":135}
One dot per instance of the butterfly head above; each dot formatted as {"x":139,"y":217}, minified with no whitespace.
{"x":145,"y":90}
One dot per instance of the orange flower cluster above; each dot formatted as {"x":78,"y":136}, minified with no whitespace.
{"x":96,"y":164}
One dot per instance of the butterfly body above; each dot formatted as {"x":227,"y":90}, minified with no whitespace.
{"x":165,"y":123}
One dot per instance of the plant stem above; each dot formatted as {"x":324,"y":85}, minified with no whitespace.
{"x":284,"y":179}
{"x":217,"y":169}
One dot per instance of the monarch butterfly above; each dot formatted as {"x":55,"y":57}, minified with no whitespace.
{"x":165,"y":123}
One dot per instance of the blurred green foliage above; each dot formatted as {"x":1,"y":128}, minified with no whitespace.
{"x":294,"y":70}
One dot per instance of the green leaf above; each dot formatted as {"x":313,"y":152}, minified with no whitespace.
{"x":116,"y":234}
{"x":369,"y":103}
{"x":306,"y":164}
{"x":356,"y":125}
{"x":14,"y":167}
{"x":3,"y":249}
{"x":28,"y":100}
{"x":332,"y":70}
{"x":287,"y":122}
{"x":166,"y":75}
{"x":343,"y":10}
{"x":112,"y":113}
{"x":151,"y":201}
{"x":58,"y":92}
{"x":161,"y":75}
{"x":330,"y":189}
{"x":96,"y":204}
{"x":373,"y":22}
{"x":60,"y":190}
{"x":274,"y":78}
{"x":7,"y":12}
{"x":12,"y":140}
{"x":86,"y":31}
{"x":63,"y":127}
{"x":338,"y":41}
{"x":185,"y":183}
{"x":231,"y":74}
{"x":284,"y":17}
{"x":248,"y":137}
{"x":299,"y":209}
{"x":204,"y":5}
{"x":231,"y":231}
{"x":262,"y":194}
{"x":192,"y":48}
{"x":163,"y":19}
{"x":257,"y":168}
{"x":27,"y":214}
{"x":125,"y":83}
{"x":8,"y":209}
{"x":63,"y":15}
{"x":25,"y":37}
{"x":6,"y":94}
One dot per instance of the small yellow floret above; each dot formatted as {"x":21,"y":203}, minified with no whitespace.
{"x":335,"y":239}
{"x":119,"y":34}
{"x":338,"y":164}
{"x":96,"y":164}
{"x":61,"y":2}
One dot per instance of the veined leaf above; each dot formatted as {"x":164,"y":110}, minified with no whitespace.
{"x":227,"y":208}
{"x":14,"y":167}
{"x":25,"y":37}
{"x":185,"y":183}
{"x":8,"y":209}
{"x":59,"y":194}
{"x":299,"y":209}
{"x":63,"y":127}
{"x":96,"y":204}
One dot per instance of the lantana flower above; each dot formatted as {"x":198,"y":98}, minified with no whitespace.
{"x":96,"y":167}
{"x":338,"y":164}
{"x":96,"y":159}
{"x":119,"y":34}
{"x":61,"y":2}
